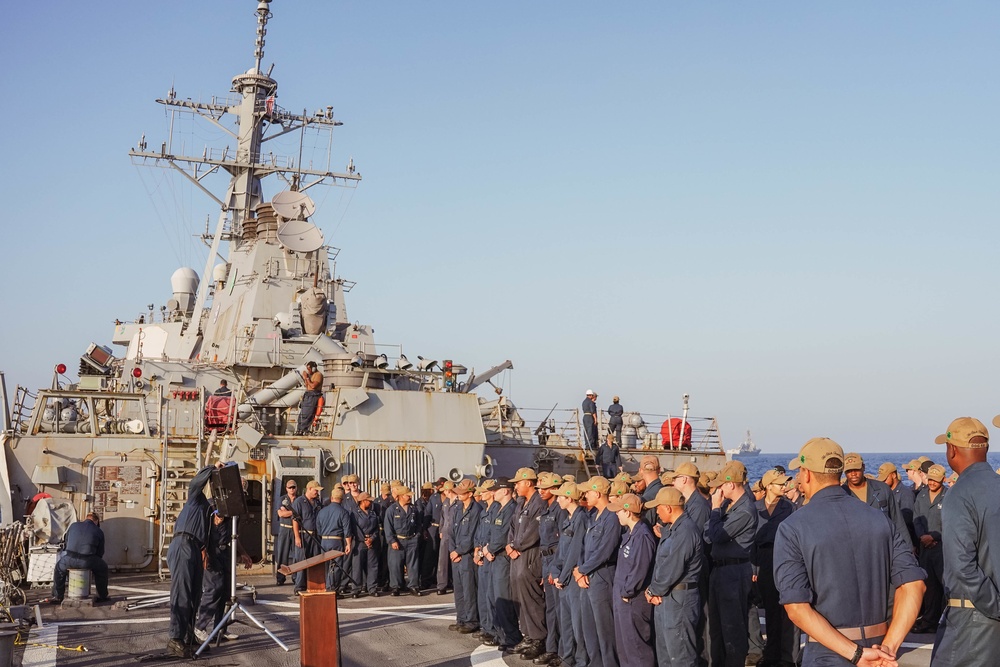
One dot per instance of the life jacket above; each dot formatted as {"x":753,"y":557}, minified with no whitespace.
{"x":670,"y":433}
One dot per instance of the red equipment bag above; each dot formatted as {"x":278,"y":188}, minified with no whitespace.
{"x":670,"y":433}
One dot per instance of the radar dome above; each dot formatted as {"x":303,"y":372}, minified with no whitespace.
{"x":219,"y":273}
{"x":184,"y":281}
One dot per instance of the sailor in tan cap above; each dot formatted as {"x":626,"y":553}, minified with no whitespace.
{"x":873,"y":492}
{"x":674,"y":587}
{"x":572,"y":649}
{"x":595,"y":574}
{"x":648,"y":484}
{"x":970,"y":538}
{"x":696,"y":506}
{"x":927,"y":524}
{"x":401,"y":527}
{"x":830,"y":573}
{"x":633,"y":613}
{"x":526,"y":565}
{"x":731,"y":527}
{"x":782,"y":639}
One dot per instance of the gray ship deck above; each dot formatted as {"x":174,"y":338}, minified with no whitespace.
{"x":404,"y":632}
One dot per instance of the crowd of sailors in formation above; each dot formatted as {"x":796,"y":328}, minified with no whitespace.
{"x":667,"y":567}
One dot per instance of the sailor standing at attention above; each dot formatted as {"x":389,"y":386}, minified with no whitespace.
{"x":185,"y":563}
{"x":835,"y":561}
{"x":927,"y":524}
{"x":336,"y":533}
{"x":484,"y":572}
{"x":284,"y":543}
{"x":313,"y":380}
{"x":969,"y":633}
{"x":871,"y":491}
{"x":507,"y":634}
{"x":609,"y":458}
{"x":304,"y":511}
{"x":730,"y":532}
{"x":573,"y":528}
{"x":615,"y":421}
{"x":633,"y":613}
{"x":462,"y":553}
{"x":525,"y":553}
{"x":402,"y":528}
{"x":548,"y":533}
{"x":596,"y":575}
{"x":590,"y":420}
{"x":367,"y":538}
{"x":674,"y":587}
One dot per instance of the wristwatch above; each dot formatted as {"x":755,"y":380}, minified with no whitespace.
{"x":857,"y":655}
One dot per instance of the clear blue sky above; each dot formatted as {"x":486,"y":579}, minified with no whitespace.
{"x":786,"y":209}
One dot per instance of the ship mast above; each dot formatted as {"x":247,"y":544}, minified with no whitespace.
{"x":254,"y":113}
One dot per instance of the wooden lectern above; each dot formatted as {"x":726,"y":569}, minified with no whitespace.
{"x":319,"y":629}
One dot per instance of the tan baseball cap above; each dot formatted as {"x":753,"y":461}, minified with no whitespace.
{"x":486,"y":486}
{"x":774,"y":477}
{"x":963,"y":431}
{"x":668,"y":495}
{"x":925,"y":459}
{"x":687,"y":469}
{"x":385,"y":488}
{"x":401,"y":491}
{"x":885,"y":470}
{"x":465,"y":486}
{"x":649,"y":463}
{"x":937,"y":473}
{"x":618,"y":489}
{"x":569,"y":478}
{"x":623,"y":477}
{"x":337,"y":494}
{"x":313,"y":484}
{"x":352,"y":478}
{"x":853,"y":461}
{"x":426,"y":486}
{"x":570,"y":490}
{"x":363,"y":496}
{"x":599,"y":484}
{"x":549,"y":480}
{"x":667,"y":477}
{"x":628,"y":501}
{"x":821,"y":455}
{"x":914,"y":464}
{"x":734,"y":472}
{"x":448,"y":486}
{"x":524,"y":473}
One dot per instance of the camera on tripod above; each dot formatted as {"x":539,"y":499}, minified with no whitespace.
{"x":227,"y":491}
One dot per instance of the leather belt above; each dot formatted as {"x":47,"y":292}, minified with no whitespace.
{"x":405,"y":537}
{"x":722,"y":562}
{"x":436,"y":525}
{"x":684,"y":587}
{"x":331,"y":537}
{"x":961,"y":602}
{"x":860,"y":634}
{"x":284,"y":525}
{"x":548,"y":551}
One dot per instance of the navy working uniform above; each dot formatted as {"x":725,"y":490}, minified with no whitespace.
{"x":649,"y":516}
{"x":590,"y":422}
{"x":445,"y":528}
{"x":904,"y":500}
{"x":676,"y":573}
{"x":600,"y":552}
{"x":84,"y":551}
{"x":782,"y":638}
{"x":615,"y":421}
{"x":504,"y":610}
{"x":881,"y":497}
{"x":526,"y":569}
{"x":970,"y":628}
{"x":485,"y":598}
{"x":466,"y":585}
{"x":572,"y":645}
{"x":401,"y":527}
{"x":333,"y":527}
{"x":609,"y":460}
{"x":730,"y":533}
{"x":184,"y":559}
{"x":927,"y":521}
{"x":284,"y":543}
{"x":432,"y":526}
{"x":306,"y":510}
{"x":817,"y":554}
{"x":215,"y":583}
{"x":548,"y":535}
{"x":367,"y":542}
{"x":633,"y":614}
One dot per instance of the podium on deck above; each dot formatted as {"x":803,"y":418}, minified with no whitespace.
{"x":319,"y":629}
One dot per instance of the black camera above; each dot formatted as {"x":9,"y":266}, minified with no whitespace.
{"x":227,"y":492}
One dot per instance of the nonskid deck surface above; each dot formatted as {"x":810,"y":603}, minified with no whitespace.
{"x":403,"y":631}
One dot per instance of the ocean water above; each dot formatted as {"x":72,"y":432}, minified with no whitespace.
{"x":758,"y":465}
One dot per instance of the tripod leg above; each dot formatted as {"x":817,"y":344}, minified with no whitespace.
{"x":260,"y":625}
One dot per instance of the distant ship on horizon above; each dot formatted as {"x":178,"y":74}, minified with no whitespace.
{"x":746,"y":448}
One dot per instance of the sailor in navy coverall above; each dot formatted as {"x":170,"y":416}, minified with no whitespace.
{"x":484,"y":572}
{"x":185,"y":563}
{"x":284,"y":543}
{"x":336,"y":533}
{"x":508,"y":634}
{"x":469,"y":512}
{"x":84,"y":551}
{"x":836,"y":561}
{"x":730,"y":532}
{"x":367,"y":542}
{"x":596,"y":574}
{"x":304,"y":511}
{"x":526,"y":564}
{"x":572,"y":530}
{"x":632,"y":611}
{"x":970,"y":536}
{"x":401,"y":527}
{"x":548,"y":534}
{"x":675,"y":584}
